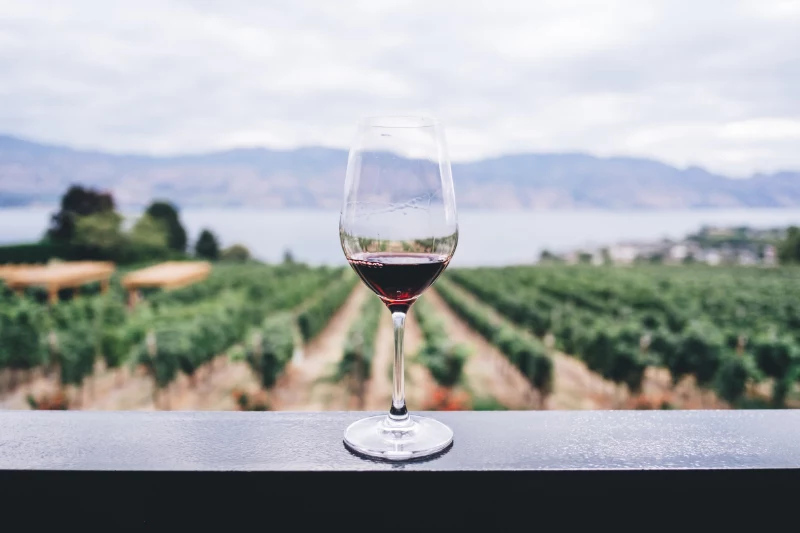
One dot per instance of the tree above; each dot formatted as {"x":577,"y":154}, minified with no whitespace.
{"x":236,"y":253}
{"x":77,"y":202}
{"x":149,"y":232}
{"x":605,"y":253}
{"x":547,"y":256}
{"x":789,"y":248}
{"x":167,"y":213}
{"x":100,"y":233}
{"x":207,"y":245}
{"x":288,"y":258}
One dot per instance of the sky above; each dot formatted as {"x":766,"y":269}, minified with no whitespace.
{"x":701,"y":82}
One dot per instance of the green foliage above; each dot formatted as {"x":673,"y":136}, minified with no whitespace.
{"x":316,"y":315}
{"x":75,"y":353}
{"x":687,"y":319}
{"x":734,"y":373}
{"x":270,"y":348}
{"x":359,"y":349}
{"x":775,"y":355}
{"x":34,"y":252}
{"x":149,"y":232}
{"x":789,"y":247}
{"x":444,"y":359}
{"x":169,"y":332}
{"x":77,"y":202}
{"x":699,"y":352}
{"x":487,"y":404}
{"x":88,"y":228}
{"x":236,"y":253}
{"x":524,"y":351}
{"x":207,"y":246}
{"x":167,"y":214}
{"x":236,"y":304}
{"x":100,"y":232}
{"x":22,"y":326}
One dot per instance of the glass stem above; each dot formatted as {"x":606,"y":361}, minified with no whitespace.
{"x":398,"y":414}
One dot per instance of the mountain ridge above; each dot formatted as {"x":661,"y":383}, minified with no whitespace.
{"x":312,"y":177}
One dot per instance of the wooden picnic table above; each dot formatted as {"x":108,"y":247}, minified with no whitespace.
{"x":56,"y":276}
{"x":168,"y":275}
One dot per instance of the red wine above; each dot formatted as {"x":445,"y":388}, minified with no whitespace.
{"x":398,"y":278}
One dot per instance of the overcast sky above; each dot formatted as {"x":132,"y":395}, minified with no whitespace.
{"x":704,"y":82}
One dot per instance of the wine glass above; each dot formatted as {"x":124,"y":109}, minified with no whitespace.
{"x":398,"y":229}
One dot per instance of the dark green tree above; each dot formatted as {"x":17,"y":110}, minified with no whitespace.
{"x":547,"y":256}
{"x":789,"y":248}
{"x":167,"y":213}
{"x":77,"y":202}
{"x":237,"y":253}
{"x":207,"y":246}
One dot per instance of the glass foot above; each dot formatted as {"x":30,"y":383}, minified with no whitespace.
{"x":384,"y":438}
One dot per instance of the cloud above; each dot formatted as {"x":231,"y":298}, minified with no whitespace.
{"x":711,"y":83}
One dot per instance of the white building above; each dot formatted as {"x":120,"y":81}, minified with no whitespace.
{"x":713,"y":257}
{"x":623,"y":253}
{"x":678,"y":252}
{"x":747,"y":257}
{"x":770,"y":255}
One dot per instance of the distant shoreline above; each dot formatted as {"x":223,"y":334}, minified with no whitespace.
{"x":487,"y":237}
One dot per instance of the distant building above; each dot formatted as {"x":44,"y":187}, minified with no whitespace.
{"x":713,"y":257}
{"x":746,"y":257}
{"x":745,"y":247}
{"x":571,"y":258}
{"x":770,"y":255}
{"x":623,"y":253}
{"x":678,"y":252}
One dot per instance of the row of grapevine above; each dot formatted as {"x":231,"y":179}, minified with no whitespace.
{"x":270,"y":348}
{"x":715,"y":326}
{"x":525,"y":352}
{"x":181,"y":339}
{"x":316,"y":315}
{"x":355,"y":366}
{"x":444,"y":358}
{"x":168,"y":333}
{"x":67,"y":336}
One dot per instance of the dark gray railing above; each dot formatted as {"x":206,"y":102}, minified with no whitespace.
{"x":288,"y":459}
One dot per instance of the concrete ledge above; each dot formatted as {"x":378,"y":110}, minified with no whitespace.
{"x":146,"y":463}
{"x":494,"y":441}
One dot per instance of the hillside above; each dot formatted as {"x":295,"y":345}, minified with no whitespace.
{"x":33,"y":173}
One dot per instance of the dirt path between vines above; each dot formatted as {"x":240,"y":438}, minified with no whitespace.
{"x":487,"y":371}
{"x":126,"y":390}
{"x":418,"y":380}
{"x":300,"y":388}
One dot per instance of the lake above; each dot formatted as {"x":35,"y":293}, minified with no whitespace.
{"x":486,"y":237}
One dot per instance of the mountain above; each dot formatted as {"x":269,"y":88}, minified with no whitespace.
{"x":33,"y":173}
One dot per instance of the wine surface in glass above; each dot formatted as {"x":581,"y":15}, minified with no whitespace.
{"x":398,"y":278}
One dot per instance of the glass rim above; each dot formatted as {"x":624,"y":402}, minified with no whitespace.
{"x":399,"y":121}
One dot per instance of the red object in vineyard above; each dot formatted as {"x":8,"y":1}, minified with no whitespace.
{"x":57,"y":401}
{"x":251,"y":401}
{"x":445,"y":399}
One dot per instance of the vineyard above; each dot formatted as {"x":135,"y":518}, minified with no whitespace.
{"x":294,"y":337}
{"x":732,"y":332}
